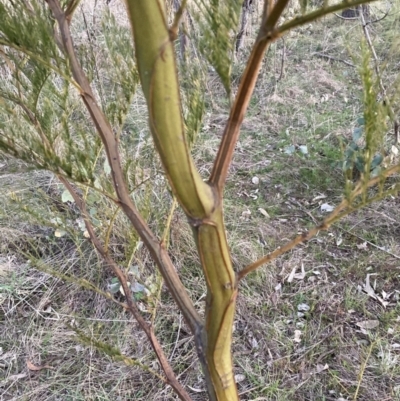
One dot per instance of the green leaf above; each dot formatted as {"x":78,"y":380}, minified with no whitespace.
{"x":138,"y":296}
{"x":360,"y":164}
{"x":361,"y":121}
{"x":357,"y":133}
{"x":81,"y":224}
{"x":93,"y":197}
{"x":114,"y":287}
{"x":134,"y":269}
{"x":193,"y":98}
{"x":376,"y":171}
{"x":376,"y":161}
{"x":96,"y":222}
{"x":350,"y":150}
{"x":97,"y":183}
{"x":67,"y":197}
{"x":56,"y":221}
{"x":137,"y":287}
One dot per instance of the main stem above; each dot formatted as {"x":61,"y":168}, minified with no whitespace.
{"x":154,"y":50}
{"x":220,"y":303}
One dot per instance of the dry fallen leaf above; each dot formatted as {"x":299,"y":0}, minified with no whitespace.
{"x":298,"y":276}
{"x":297,"y":335}
{"x":5,"y":268}
{"x":264,"y":212}
{"x":35,"y":368}
{"x":197,"y":390}
{"x":326,"y":207}
{"x":371,"y":292}
{"x":363,"y":246}
{"x":239,"y":378}
{"x":260,"y":399}
{"x":303,"y":307}
{"x":291,"y":275}
{"x":12,"y":378}
{"x":317,"y":198}
{"x":246,"y":214}
{"x":121,"y":289}
{"x":368,"y":324}
{"x":320,"y":368}
{"x":254,"y":343}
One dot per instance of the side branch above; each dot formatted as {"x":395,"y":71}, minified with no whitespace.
{"x":170,"y":376}
{"x":158,"y":253}
{"x":298,"y":240}
{"x":268,"y":33}
{"x":245,"y":91}
{"x":342,"y":210}
{"x":321,"y":12}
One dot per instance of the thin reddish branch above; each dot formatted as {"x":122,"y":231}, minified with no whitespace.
{"x":268,"y":33}
{"x":158,"y":252}
{"x":319,"y":13}
{"x":245,"y":91}
{"x":165,"y":366}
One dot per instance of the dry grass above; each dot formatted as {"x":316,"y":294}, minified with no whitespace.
{"x":296,"y":339}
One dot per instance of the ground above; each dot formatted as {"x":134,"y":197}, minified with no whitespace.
{"x":322,"y":322}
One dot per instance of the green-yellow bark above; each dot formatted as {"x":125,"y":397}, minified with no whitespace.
{"x":221,"y":301}
{"x":154,"y":50}
{"x":156,"y":64}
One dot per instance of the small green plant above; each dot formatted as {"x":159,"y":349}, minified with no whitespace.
{"x":355,"y":154}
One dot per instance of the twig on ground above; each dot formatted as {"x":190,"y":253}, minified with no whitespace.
{"x":333,"y":58}
{"x":325,"y":337}
{"x":370,"y":243}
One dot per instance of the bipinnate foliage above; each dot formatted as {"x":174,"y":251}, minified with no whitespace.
{"x":193,"y":97}
{"x":218,"y":25}
{"x":94,"y":151}
{"x":43,"y":122}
